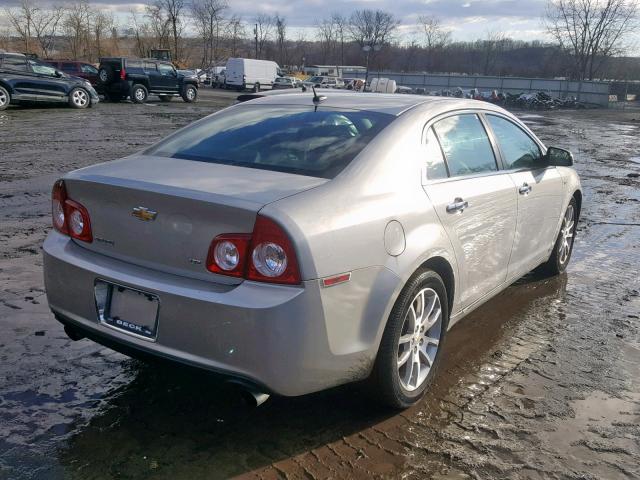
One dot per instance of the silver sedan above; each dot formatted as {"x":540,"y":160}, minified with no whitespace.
{"x":296,"y":242}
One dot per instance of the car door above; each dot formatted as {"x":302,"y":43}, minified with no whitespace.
{"x":475,"y":202}
{"x":539,"y":190}
{"x":47,"y":84}
{"x":167,"y":79}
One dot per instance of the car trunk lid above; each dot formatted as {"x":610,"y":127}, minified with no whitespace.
{"x":163,"y":213}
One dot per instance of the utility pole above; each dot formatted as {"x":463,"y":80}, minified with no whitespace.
{"x":255,"y":32}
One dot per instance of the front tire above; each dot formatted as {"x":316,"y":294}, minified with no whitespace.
{"x":413,"y":338}
{"x":5,"y":98}
{"x":563,"y":247}
{"x":79,"y":98}
{"x":256,"y":87}
{"x":190,"y":94}
{"x":139,"y":93}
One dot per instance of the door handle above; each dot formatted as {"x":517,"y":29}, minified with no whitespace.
{"x":525,"y":189}
{"x":458,"y":205}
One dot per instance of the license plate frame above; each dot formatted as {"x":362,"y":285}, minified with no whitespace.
{"x":128,"y":310}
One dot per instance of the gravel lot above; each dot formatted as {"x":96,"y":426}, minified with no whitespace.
{"x":541,"y":382}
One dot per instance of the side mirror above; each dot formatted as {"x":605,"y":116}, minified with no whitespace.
{"x":59,"y":74}
{"x":558,"y":157}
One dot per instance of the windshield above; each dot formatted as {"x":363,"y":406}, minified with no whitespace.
{"x":292,"y":139}
{"x":316,"y":79}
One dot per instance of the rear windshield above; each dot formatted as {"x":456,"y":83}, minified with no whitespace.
{"x":284,"y":138}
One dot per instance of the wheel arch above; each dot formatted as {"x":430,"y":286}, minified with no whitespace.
{"x":6,"y":86}
{"x":577,"y":196}
{"x":443,"y":268}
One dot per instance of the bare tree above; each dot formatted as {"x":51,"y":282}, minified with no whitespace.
{"x":263,"y":29}
{"x":77,"y":28}
{"x":173,"y":11}
{"x":209,"y":20}
{"x":340,"y":24}
{"x":327,"y":38}
{"x":491,"y":49}
{"x":371,"y":30}
{"x":102,"y":25}
{"x":281,"y":38}
{"x":21,"y":19}
{"x":591,"y":30}
{"x":235,"y":33}
{"x":436,"y":37}
{"x":158,"y":24}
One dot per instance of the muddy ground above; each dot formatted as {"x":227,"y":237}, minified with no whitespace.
{"x":541,"y":382}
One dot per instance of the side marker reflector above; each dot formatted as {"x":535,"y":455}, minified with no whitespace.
{"x":331,"y":281}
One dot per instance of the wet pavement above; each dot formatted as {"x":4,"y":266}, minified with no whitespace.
{"x":543,"y":381}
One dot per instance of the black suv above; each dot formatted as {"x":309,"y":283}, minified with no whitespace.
{"x":27,"y":79}
{"x":119,"y":78}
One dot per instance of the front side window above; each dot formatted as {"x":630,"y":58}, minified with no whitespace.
{"x":15,"y":63}
{"x":42,"y":69}
{"x":466,"y":145}
{"x":165,"y":69}
{"x":285,"y":138}
{"x":518,"y":149}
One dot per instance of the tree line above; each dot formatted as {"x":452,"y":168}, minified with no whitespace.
{"x":589,"y":37}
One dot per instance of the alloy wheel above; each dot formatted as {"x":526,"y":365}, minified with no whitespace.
{"x":80,"y":98}
{"x":566,"y":235}
{"x":419,"y":339}
{"x":140,"y":96}
{"x":3,"y":98}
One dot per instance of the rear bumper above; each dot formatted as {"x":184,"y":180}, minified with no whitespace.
{"x":287,"y":340}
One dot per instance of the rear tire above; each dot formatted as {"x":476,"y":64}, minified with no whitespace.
{"x":190,"y":93}
{"x":563,"y":247}
{"x":79,"y":98}
{"x":139,"y":93}
{"x":413,"y":338}
{"x":5,"y":98}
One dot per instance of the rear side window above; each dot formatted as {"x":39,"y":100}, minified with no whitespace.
{"x":519,"y":150}
{"x":292,"y":139}
{"x":15,"y":63}
{"x":466,"y":145}
{"x":436,"y":167}
{"x":149,"y":66}
{"x":69,"y":67}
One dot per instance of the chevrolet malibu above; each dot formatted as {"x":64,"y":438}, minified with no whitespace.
{"x":294,"y":242}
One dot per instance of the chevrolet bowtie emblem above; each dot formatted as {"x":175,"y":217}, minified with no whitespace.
{"x":144,"y":214}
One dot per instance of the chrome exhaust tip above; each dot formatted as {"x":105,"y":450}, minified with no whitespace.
{"x":250,"y":395}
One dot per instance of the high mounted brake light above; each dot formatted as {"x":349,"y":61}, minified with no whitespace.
{"x":266,"y":255}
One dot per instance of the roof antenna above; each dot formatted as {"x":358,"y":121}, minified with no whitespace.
{"x":317,"y":98}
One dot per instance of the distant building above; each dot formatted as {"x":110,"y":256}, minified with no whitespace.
{"x":332,"y":70}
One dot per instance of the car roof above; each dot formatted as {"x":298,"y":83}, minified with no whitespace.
{"x":389,"y":103}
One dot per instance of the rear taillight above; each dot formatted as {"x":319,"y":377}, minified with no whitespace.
{"x":58,"y":197}
{"x":228,"y":254}
{"x":267,"y":255}
{"x":69,"y":217}
{"x":123,"y":74}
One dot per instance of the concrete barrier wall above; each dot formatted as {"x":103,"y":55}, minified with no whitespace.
{"x":590,"y":92}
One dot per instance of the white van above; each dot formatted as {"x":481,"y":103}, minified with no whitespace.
{"x":256,"y":75}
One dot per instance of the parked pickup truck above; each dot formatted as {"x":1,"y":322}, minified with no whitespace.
{"x":119,"y":78}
